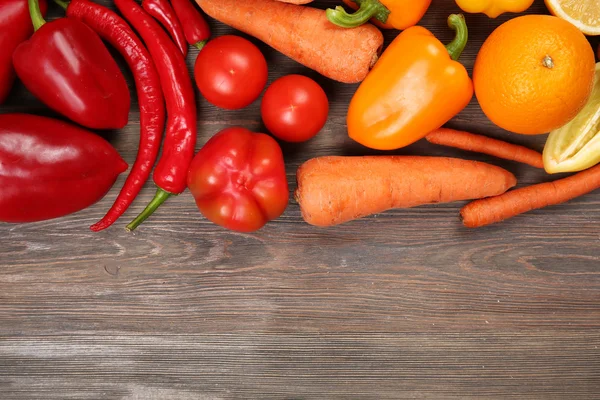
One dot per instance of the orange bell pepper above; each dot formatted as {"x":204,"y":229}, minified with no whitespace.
{"x":388,"y":14}
{"x":416,"y":86}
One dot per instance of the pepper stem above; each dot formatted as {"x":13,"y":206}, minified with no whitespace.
{"x":160,"y":197}
{"x":459,"y":25}
{"x":200,"y":45}
{"x":367,"y":9}
{"x":62,"y":4}
{"x":36,"y":14}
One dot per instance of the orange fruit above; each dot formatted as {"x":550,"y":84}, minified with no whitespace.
{"x":534,"y":74}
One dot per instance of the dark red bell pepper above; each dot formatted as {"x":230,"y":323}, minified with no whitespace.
{"x":238,"y":180}
{"x":66,"y":65}
{"x":49,"y":168}
{"x":15,"y":28}
{"x":197,"y":31}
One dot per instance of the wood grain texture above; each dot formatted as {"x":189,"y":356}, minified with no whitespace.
{"x":405,"y":304}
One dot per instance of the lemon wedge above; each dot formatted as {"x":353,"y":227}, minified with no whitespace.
{"x":576,"y":146}
{"x":584,"y":14}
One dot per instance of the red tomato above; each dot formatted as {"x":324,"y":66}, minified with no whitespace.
{"x":294,"y":108}
{"x":238,"y":180}
{"x":231,"y":72}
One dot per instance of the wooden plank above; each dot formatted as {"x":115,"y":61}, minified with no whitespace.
{"x":298,"y":366}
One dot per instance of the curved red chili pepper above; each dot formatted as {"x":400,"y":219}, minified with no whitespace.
{"x":117,"y":32}
{"x":170,"y":173}
{"x":162,"y":11}
{"x":49,"y":168}
{"x":16,"y":27}
{"x":197,"y":31}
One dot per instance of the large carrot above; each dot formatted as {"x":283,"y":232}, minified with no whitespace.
{"x":495,"y":209}
{"x":486,"y":145}
{"x":334,"y":190}
{"x":304,"y":34}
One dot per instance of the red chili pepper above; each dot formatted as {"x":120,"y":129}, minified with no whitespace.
{"x":238,"y":180}
{"x":180,"y":140}
{"x":66,"y":65}
{"x":197,"y":31}
{"x":162,"y":11}
{"x":49,"y":168}
{"x":16,"y":27}
{"x":118,"y":33}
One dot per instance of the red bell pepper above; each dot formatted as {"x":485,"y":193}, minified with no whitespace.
{"x":49,"y":168}
{"x":16,"y":27}
{"x":66,"y":65}
{"x":238,"y":180}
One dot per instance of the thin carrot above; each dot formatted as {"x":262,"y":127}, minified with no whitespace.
{"x":334,"y":190}
{"x":296,"y":1}
{"x":486,"y":145}
{"x":303,"y":34}
{"x":495,"y":209}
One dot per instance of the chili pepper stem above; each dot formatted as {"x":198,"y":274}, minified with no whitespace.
{"x":36,"y":14}
{"x":200,"y":45}
{"x":62,"y":4}
{"x":459,"y":25}
{"x":160,"y":197}
{"x":367,"y":9}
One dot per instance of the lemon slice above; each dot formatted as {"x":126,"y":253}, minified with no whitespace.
{"x":584,"y":14}
{"x":576,"y":146}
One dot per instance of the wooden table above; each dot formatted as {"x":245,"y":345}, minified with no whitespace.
{"x":406,"y":304}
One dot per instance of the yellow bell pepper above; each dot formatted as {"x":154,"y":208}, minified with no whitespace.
{"x":493,"y":8}
{"x":576,"y":146}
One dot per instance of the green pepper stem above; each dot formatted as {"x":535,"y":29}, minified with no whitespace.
{"x":367,"y":9}
{"x":459,"y":25}
{"x":62,"y":4}
{"x":200,"y":45}
{"x":160,"y":197}
{"x":36,"y":14}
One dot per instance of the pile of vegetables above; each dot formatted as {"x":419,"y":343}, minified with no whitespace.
{"x":51,"y":168}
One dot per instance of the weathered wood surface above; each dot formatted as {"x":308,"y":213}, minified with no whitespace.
{"x":406,"y":304}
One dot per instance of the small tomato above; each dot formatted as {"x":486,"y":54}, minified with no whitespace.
{"x":230,"y":72}
{"x":295,"y":108}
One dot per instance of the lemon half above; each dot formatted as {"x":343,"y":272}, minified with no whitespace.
{"x":584,"y":14}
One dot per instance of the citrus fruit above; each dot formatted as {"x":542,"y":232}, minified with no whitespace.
{"x":534,"y":74}
{"x":576,"y":146}
{"x":584,"y":14}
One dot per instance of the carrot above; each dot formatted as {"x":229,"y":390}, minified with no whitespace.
{"x":334,"y":190}
{"x":495,"y":209}
{"x":296,"y":1}
{"x":303,"y":34}
{"x":486,"y":145}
